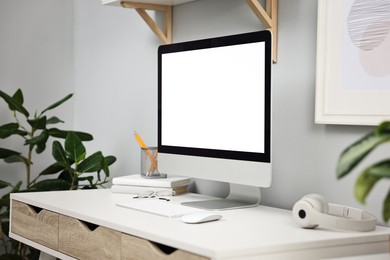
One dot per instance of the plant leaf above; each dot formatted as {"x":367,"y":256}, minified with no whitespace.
{"x":40,"y":148}
{"x":92,"y":187}
{"x":41,"y":138}
{"x":386,"y":208}
{"x":54,"y":120}
{"x":8,"y":130}
{"x":16,"y":188}
{"x":84,"y":136}
{"x":38,"y":123}
{"x":66,"y":175}
{"x":4,"y":202}
{"x":16,"y":159}
{"x":18,"y":96}
{"x":381,"y":169}
{"x":353,"y":154}
{"x":62,"y":134}
{"x":14,"y":104}
{"x":87,"y":178}
{"x":51,"y":185}
{"x":5,"y":230}
{"x":108,"y":160}
{"x":383,"y":128}
{"x":53,"y":169}
{"x":4,"y":153}
{"x":59,"y":154}
{"x":56,"y":104}
{"x":55,"y":132}
{"x":4,"y":184}
{"x":74,"y":148}
{"x":40,"y":141}
{"x":364,"y":183}
{"x":92,"y":163}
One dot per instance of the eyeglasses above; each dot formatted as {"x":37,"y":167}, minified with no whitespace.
{"x":154,"y":194}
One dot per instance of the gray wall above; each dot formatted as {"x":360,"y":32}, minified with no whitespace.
{"x":114,"y":79}
{"x":36,"y":55}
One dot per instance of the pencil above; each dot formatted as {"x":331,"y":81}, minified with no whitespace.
{"x":152,"y":168}
{"x":139,"y":140}
{"x":147,"y":152}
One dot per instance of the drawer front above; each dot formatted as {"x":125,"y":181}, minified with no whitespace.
{"x":78,"y":240}
{"x":40,"y":227}
{"x":134,"y":248}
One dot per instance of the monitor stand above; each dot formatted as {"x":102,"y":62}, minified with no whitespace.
{"x":240,"y":196}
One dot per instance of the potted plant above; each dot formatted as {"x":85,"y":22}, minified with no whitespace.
{"x":355,"y":153}
{"x":72,"y":168}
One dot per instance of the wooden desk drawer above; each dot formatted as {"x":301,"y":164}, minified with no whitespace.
{"x":134,"y":248}
{"x":38,"y":225}
{"x":81,"y":241}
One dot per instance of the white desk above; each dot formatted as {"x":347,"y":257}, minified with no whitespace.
{"x":240,"y":234}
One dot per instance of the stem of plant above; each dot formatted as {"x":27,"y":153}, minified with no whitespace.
{"x":29,"y":161}
{"x":28,"y":167}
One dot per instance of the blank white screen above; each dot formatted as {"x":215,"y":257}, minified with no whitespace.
{"x":214,"y":98}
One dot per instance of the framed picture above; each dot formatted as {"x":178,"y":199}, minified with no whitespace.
{"x":353,"y":62}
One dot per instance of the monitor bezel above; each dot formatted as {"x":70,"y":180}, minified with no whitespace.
{"x":238,"y":39}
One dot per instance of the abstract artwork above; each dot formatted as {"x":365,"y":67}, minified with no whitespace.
{"x":353,"y":62}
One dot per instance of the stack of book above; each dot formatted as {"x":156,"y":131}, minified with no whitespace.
{"x":135,"y":184}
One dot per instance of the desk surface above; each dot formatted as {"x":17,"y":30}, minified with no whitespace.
{"x":240,"y":233}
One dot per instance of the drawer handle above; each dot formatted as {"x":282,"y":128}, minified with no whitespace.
{"x":89,"y":225}
{"x":36,"y":209}
{"x":164,"y":248}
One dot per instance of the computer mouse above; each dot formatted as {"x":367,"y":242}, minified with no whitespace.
{"x":200,"y":217}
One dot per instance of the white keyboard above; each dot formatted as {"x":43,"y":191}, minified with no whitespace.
{"x":158,"y":207}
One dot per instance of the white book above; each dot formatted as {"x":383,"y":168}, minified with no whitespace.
{"x":137,"y":180}
{"x":129,"y":189}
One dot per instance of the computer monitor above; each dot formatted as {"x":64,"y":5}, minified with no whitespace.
{"x":214,"y":114}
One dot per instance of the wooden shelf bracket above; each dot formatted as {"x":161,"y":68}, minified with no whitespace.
{"x":269,"y":19}
{"x":164,"y":35}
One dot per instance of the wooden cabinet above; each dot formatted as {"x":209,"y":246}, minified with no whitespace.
{"x":134,"y":248}
{"x":83,"y":240}
{"x":35,"y":224}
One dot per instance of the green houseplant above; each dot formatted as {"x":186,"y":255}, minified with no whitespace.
{"x":355,"y":153}
{"x":72,"y":167}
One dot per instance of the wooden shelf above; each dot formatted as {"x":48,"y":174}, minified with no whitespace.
{"x":157,"y":2}
{"x":268,"y":16}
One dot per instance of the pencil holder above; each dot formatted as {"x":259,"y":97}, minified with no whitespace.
{"x":149,"y":163}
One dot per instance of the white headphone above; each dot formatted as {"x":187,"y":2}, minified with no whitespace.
{"x":313,"y":210}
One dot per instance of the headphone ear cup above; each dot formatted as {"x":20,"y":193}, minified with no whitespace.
{"x":318,"y":202}
{"x":303,"y":214}
{"x":305,"y":211}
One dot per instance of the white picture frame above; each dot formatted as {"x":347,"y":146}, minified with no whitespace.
{"x":344,"y":94}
